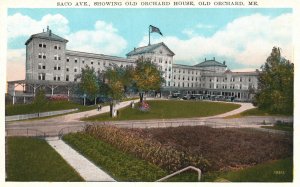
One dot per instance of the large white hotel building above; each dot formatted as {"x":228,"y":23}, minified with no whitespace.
{"x":51,"y":64}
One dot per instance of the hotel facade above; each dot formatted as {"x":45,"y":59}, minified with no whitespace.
{"x":50,"y":64}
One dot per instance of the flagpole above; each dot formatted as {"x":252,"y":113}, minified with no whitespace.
{"x":149,"y":35}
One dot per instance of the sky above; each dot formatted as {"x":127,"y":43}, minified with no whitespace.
{"x":242,"y":37}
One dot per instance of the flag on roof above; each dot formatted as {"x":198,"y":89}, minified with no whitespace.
{"x":155,"y":29}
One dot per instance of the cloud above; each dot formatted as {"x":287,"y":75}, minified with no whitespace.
{"x":204,"y":26}
{"x":246,"y":40}
{"x":23,"y":25}
{"x":16,"y":65}
{"x":104,"y":39}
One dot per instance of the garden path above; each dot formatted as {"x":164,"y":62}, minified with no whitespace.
{"x":85,"y":168}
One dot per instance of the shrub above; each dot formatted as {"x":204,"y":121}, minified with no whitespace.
{"x":154,"y":152}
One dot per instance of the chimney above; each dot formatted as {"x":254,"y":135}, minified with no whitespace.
{"x":47,"y":28}
{"x":205,"y":60}
{"x":214,"y":58}
{"x":50,"y":32}
{"x":224,"y":62}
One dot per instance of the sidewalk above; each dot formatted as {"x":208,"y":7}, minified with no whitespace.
{"x":86,"y":169}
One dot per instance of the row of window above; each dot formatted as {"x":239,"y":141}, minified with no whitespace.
{"x":188,"y":78}
{"x":160,"y":60}
{"x":188,"y":71}
{"x":232,"y":79}
{"x":43,"y":45}
{"x":43,"y":56}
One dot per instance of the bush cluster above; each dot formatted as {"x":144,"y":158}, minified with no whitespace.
{"x":154,"y":152}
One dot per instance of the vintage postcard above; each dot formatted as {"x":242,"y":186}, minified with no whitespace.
{"x":149,"y":91}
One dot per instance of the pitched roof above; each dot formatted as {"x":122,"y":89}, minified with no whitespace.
{"x":208,"y":63}
{"x":46,"y":35}
{"x":148,"y":49}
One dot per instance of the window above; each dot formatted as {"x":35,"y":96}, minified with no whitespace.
{"x":55,"y":67}
{"x":160,"y":60}
{"x":40,"y":66}
{"x":170,"y":62}
{"x":58,"y":68}
{"x":54,"y":78}
{"x":44,"y":45}
{"x":169,"y":68}
{"x":67,"y":77}
{"x":68,"y":60}
{"x":166,"y":62}
{"x":55,"y":47}
{"x":83,"y":61}
{"x":92,"y":62}
{"x":40,"y":45}
{"x":59,"y":58}
{"x":44,"y":67}
{"x":98,"y":63}
{"x":67,"y":69}
{"x":58,"y":78}
{"x":249,"y":79}
{"x":75,"y":69}
{"x":75,"y":60}
{"x":44,"y":56}
{"x":55,"y":57}
{"x":42,"y":76}
{"x":40,"y":55}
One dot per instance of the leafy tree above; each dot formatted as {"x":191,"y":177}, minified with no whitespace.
{"x":40,"y":101}
{"x":147,"y":77}
{"x":276,"y":85}
{"x":88,"y":84}
{"x":114,"y":83}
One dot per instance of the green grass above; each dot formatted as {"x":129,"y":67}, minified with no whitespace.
{"x":283,"y":127}
{"x":274,"y":171}
{"x":29,"y":159}
{"x":253,"y":112}
{"x":50,"y":106}
{"x":125,"y":167}
{"x":121,"y":166}
{"x":170,"y":109}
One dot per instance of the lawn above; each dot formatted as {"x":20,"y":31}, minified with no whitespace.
{"x":170,"y":109}
{"x":31,"y":159}
{"x":50,"y":106}
{"x":121,"y":166}
{"x":273,"y":171}
{"x":254,"y":112}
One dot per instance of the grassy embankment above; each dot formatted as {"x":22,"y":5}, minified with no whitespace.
{"x":126,"y":167}
{"x":32,"y":159}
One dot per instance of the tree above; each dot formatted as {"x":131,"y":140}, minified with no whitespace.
{"x":40,"y":100}
{"x":89,"y":85}
{"x":114,"y":79}
{"x":147,"y":77}
{"x":276,"y":85}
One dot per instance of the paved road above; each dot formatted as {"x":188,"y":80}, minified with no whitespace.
{"x":71,"y":122}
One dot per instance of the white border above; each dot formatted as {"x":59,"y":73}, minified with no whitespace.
{"x":5,"y":4}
